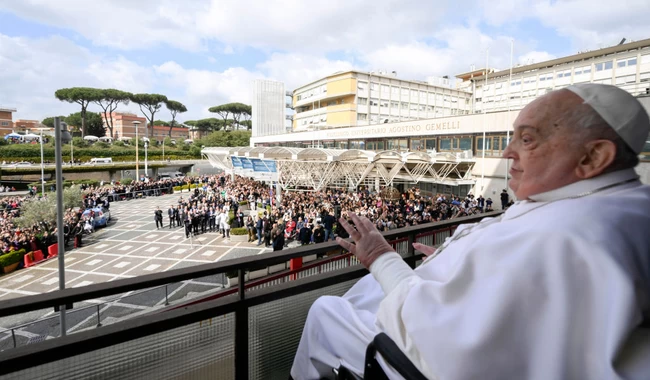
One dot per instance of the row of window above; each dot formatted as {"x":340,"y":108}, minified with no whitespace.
{"x":4,"y":123}
{"x":600,"y":66}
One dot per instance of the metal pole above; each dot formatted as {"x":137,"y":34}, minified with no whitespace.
{"x":99,"y":321}
{"x":59,"y":214}
{"x":42,"y":168}
{"x":137,"y":163}
{"x":71,"y":153}
{"x":13,"y":335}
{"x":487,"y":55}
{"x":512,"y":51}
{"x":146,"y":166}
{"x":163,"y":150}
{"x":166,"y":299}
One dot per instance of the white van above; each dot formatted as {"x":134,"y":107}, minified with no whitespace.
{"x":106,"y":160}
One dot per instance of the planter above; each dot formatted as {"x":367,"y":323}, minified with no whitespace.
{"x":10,"y":268}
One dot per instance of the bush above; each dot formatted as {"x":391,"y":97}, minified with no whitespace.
{"x":178,"y":188}
{"x":126,"y":181}
{"x":12,"y":257}
{"x":243,"y":203}
{"x":239,"y":231}
{"x":232,"y":274}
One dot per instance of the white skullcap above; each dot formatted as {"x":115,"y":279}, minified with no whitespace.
{"x":622,"y":111}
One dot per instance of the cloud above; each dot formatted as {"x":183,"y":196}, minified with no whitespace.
{"x":299,"y":69}
{"x":122,"y":24}
{"x":595,"y":24}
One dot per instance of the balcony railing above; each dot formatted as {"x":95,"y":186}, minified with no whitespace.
{"x":249,"y":334}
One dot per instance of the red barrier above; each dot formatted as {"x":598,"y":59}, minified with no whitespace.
{"x":28,"y":260}
{"x":38,"y":256}
{"x":53,"y":250}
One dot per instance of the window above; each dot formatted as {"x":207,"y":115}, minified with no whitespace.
{"x":4,"y":123}
{"x":645,"y":154}
{"x":362,"y":116}
{"x":362,"y":101}
{"x":645,"y":58}
{"x":645,"y":77}
{"x":394,"y":104}
{"x":374,"y":102}
{"x":431,"y":144}
{"x":604,"y":66}
{"x":384,"y":103}
{"x":331,"y":103}
{"x":455,"y":143}
{"x":362,"y":85}
{"x":385,"y":89}
{"x":626,"y":62}
{"x":394,"y":91}
{"x":373,"y":86}
{"x":417,"y":144}
{"x":494,"y":145}
{"x":405,"y":105}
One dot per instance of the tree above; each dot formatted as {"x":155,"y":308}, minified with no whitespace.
{"x":239,"y":111}
{"x":247,"y":123}
{"x":149,"y":105}
{"x":82,"y":96}
{"x":109,"y":100}
{"x":161,"y":122}
{"x":40,"y":210}
{"x":94,"y":123}
{"x":174,"y":108}
{"x":49,"y":121}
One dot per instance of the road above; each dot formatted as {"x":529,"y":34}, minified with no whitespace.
{"x":129,"y":247}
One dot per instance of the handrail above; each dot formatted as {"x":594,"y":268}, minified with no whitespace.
{"x":72,"y":295}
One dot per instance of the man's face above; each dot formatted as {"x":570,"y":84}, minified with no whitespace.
{"x":543,"y":153}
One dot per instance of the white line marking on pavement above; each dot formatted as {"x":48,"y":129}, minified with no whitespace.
{"x":152,"y":267}
{"x":122,"y":264}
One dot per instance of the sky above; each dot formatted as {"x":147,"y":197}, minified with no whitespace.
{"x":207,"y":52}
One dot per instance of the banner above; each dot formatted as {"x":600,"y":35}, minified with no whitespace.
{"x":246,"y":163}
{"x":236,"y":162}
{"x":263,"y":166}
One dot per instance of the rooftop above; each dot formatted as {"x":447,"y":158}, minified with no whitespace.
{"x":581,"y":56}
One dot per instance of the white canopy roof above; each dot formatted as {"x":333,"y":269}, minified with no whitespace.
{"x":91,"y":138}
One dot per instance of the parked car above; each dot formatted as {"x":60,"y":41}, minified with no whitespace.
{"x":102,"y":216}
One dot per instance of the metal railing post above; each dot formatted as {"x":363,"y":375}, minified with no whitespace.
{"x":99,"y":321}
{"x":166,"y":296}
{"x":241,"y":332}
{"x":13,"y":336}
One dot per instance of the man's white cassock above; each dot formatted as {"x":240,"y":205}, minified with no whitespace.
{"x":553,"y":289}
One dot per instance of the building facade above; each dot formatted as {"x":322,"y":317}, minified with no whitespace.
{"x":123,"y":126}
{"x":626,"y":66}
{"x":6,"y":120}
{"x":459,"y":127}
{"x":356,"y":98}
{"x":268,"y":108}
{"x":27,"y":126}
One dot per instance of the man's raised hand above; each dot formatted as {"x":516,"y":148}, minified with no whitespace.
{"x":368,"y":243}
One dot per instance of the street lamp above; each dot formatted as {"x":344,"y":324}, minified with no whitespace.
{"x":137,"y":166}
{"x":146,"y":167}
{"x":42,"y":167}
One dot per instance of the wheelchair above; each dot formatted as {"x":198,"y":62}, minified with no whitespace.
{"x":382,"y":344}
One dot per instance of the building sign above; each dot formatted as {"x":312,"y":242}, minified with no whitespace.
{"x":236,"y":162}
{"x":246,"y":163}
{"x":263,"y":166}
{"x":396,"y":130}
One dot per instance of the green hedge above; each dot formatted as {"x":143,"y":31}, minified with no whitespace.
{"x":239,"y":231}
{"x":32,"y":152}
{"x":77,"y":168}
{"x":12,"y":258}
{"x":67,"y":183}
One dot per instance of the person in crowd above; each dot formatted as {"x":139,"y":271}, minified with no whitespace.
{"x":158,"y":217}
{"x":562,"y":290}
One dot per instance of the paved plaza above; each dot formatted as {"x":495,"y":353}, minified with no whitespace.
{"x":130,"y":246}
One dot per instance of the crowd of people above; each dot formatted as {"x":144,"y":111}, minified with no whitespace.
{"x":305,"y":217}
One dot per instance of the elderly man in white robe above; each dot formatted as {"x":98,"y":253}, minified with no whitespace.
{"x":561,"y":289}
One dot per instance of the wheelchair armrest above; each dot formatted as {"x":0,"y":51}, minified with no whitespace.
{"x":392,"y":354}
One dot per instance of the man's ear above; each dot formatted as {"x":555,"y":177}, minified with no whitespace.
{"x":598,"y":156}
